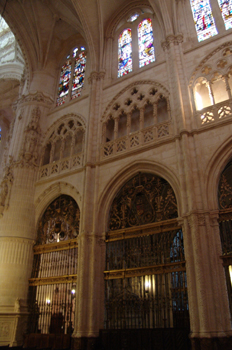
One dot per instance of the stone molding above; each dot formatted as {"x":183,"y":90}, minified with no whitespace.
{"x":120,"y":15}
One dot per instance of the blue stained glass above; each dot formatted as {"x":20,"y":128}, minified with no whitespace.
{"x":133,"y":17}
{"x":75,"y":52}
{"x":78,"y":75}
{"x":146,"y":46}
{"x":203,"y":19}
{"x":64,"y":82}
{"x":226,"y":10}
{"x":125,"y":53}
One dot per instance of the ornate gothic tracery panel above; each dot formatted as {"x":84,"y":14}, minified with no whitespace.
{"x":53,"y":280}
{"x":64,"y":147}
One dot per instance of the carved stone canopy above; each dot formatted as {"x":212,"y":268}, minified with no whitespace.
{"x":144,"y":199}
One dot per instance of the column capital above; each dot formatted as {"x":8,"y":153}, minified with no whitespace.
{"x":172,"y":39}
{"x":96,"y":76}
{"x":34,"y":97}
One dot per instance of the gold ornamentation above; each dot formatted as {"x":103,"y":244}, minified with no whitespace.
{"x":144,"y":199}
{"x":141,"y":271}
{"x":52,"y":280}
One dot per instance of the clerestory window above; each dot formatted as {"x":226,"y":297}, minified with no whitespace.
{"x":138,"y":39}
{"x":72,"y":76}
{"x":203,"y":19}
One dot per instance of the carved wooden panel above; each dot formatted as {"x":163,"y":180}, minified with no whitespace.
{"x":144,"y":199}
{"x":60,"y":221}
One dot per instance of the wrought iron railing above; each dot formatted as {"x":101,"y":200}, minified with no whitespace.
{"x":145,"y":278}
{"x":52,"y":288}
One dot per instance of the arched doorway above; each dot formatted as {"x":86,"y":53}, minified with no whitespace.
{"x":52,"y":287}
{"x":225,"y":224}
{"x":145,"y":276}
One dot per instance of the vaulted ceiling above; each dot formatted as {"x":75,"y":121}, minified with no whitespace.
{"x":48,"y":28}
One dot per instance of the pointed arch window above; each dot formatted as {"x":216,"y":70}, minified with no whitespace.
{"x":125,"y":52}
{"x":72,"y":76}
{"x":203,"y":19}
{"x":145,"y":42}
{"x":226,"y":10}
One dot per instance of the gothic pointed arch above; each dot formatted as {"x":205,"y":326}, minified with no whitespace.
{"x":225,"y":224}
{"x":52,"y":286}
{"x":145,"y":251}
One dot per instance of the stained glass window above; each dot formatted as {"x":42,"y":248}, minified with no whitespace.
{"x":226,"y":10}
{"x":146,"y":46}
{"x":125,"y":53}
{"x":74,"y":67}
{"x":64,"y":82}
{"x":78,"y":75}
{"x":203,"y":19}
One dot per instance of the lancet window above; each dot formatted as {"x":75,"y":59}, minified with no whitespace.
{"x":52,"y":286}
{"x":226,"y":10}
{"x":125,"y":52}
{"x":64,"y":147}
{"x":72,"y":76}
{"x":145,"y":41}
{"x":145,"y":276}
{"x":203,"y":19}
{"x":126,"y":41}
{"x":225,"y":224}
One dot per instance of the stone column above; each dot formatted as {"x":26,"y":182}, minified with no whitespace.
{"x":208,"y":301}
{"x":90,"y":281}
{"x":17,"y":215}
